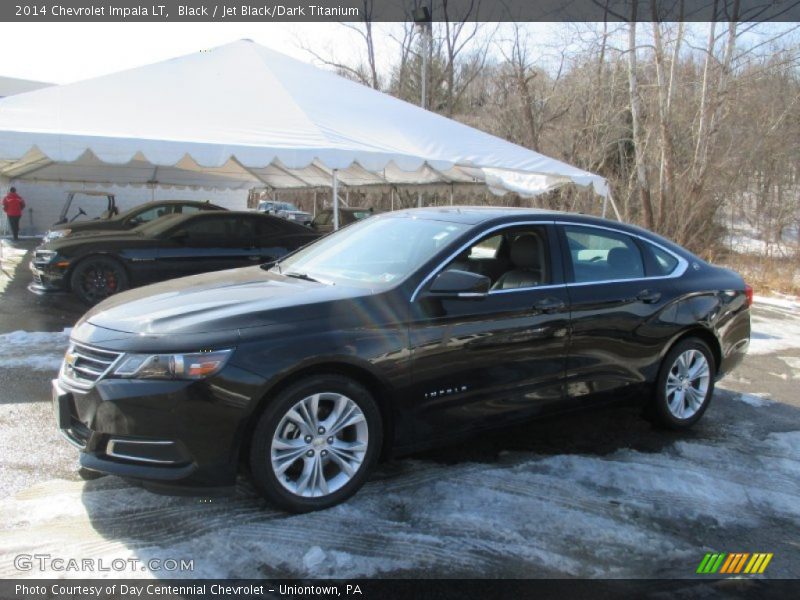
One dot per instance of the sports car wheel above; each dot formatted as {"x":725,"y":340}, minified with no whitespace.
{"x":95,"y":279}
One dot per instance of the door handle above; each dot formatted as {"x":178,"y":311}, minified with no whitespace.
{"x":648,"y":296}
{"x":549,"y":305}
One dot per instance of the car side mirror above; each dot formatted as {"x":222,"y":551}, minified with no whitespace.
{"x":460,"y":284}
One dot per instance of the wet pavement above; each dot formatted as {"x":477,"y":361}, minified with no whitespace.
{"x":595,"y":494}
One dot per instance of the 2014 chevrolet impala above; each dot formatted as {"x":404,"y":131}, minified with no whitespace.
{"x":405,"y":330}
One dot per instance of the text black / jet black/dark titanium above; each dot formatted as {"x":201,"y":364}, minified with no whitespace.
{"x":101,"y":264}
{"x":399,"y":332}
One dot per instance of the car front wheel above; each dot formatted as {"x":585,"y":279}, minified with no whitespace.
{"x":685,"y":384}
{"x":97,"y":278}
{"x":315,"y":443}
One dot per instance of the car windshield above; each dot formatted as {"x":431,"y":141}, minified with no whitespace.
{"x":287,"y":206}
{"x":375,"y":253}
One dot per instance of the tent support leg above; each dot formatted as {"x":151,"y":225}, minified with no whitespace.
{"x":614,"y":206}
{"x":605,"y":206}
{"x":419,"y":199}
{"x":392,"y":204}
{"x":451,"y":194}
{"x":335,"y":182}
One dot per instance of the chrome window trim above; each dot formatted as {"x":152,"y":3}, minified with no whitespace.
{"x":463,"y":247}
{"x":679,"y":270}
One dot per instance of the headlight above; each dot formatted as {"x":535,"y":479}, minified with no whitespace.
{"x":44,"y":256}
{"x":55,"y":234}
{"x":172,"y":366}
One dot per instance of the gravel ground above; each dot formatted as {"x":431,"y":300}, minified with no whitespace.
{"x":589,"y":495}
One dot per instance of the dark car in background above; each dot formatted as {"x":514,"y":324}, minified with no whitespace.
{"x":139,"y":215}
{"x":323,"y":222}
{"x":402,"y":331}
{"x":95,"y":266}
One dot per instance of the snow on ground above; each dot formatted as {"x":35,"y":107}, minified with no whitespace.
{"x":628,"y":513}
{"x":37,"y":350}
{"x":10,"y":259}
{"x":776,"y":327}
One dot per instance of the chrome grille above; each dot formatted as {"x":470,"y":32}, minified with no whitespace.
{"x":84,"y":365}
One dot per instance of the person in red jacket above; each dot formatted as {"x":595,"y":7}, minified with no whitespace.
{"x":13,"y":205}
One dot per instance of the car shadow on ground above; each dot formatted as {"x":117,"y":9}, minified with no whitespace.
{"x":593,"y":494}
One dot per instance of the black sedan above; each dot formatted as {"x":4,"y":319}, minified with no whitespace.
{"x":139,"y":215}
{"x":104,"y":263}
{"x":402,"y":331}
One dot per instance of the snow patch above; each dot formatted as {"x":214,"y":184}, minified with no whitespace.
{"x":37,"y":350}
{"x":10,"y":259}
{"x":779,"y":301}
{"x":773,"y":330}
{"x":758,"y":399}
{"x":794,"y":364}
{"x":577,"y":515}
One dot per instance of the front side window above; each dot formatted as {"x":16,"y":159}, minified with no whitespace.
{"x":515,"y":258}
{"x":600,"y":255}
{"x":375,"y":253}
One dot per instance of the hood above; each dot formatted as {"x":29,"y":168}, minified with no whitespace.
{"x":218,"y":301}
{"x":82,"y":237}
{"x":80,"y":226}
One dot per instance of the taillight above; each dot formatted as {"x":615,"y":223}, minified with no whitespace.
{"x":748,"y":291}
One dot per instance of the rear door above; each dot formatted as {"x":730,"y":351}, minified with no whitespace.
{"x":616,"y":303}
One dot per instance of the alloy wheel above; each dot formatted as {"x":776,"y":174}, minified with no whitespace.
{"x":687,"y":384}
{"x":319,"y":445}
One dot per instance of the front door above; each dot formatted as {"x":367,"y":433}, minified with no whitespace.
{"x":484,"y":361}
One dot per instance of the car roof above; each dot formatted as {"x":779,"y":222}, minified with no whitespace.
{"x":477,"y":215}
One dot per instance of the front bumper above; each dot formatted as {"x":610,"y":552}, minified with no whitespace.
{"x":183,"y":436}
{"x":46,"y":280}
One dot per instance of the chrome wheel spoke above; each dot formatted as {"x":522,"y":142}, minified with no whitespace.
{"x":319,"y":445}
{"x":285,"y":454}
{"x":687,"y":384}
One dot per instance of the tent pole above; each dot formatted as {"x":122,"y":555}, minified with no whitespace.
{"x":451,"y":194}
{"x":392,"y":205}
{"x":335,"y":199}
{"x":315,"y":203}
{"x":419,"y":199}
{"x":605,"y":205}
{"x":614,"y":206}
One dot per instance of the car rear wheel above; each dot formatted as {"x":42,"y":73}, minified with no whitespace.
{"x":314,"y":445}
{"x":685,"y":384}
{"x":97,"y":278}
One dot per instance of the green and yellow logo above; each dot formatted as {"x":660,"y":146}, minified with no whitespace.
{"x":736,"y":562}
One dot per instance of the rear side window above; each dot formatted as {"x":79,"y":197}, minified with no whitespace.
{"x":601,"y":255}
{"x":662,"y":262}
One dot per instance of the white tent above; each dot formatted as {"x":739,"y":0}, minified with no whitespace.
{"x":241,"y":116}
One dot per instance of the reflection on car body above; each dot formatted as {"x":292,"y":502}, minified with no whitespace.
{"x":400,"y":332}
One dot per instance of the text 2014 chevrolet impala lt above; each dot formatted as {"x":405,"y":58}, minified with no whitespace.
{"x":399,"y":332}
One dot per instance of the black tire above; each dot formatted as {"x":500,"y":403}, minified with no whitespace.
{"x":98,"y":277}
{"x":261,"y":467}
{"x":660,"y":412}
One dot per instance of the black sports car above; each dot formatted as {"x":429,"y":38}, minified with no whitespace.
{"x":98,"y":265}
{"x":402,"y":331}
{"x":139,"y":215}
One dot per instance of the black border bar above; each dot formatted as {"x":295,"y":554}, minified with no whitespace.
{"x":397,"y":10}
